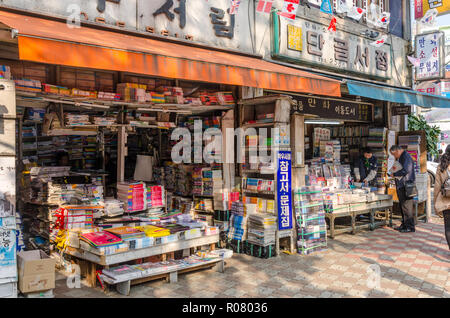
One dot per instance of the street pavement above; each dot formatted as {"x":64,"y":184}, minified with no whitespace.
{"x":380,"y":263}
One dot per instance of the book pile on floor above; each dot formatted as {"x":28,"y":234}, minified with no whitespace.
{"x":261,"y":229}
{"x":310,"y":219}
{"x":238,"y":222}
{"x":133,"y":195}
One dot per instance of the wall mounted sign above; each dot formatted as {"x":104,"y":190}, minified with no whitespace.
{"x":333,"y":108}
{"x":401,"y":110}
{"x":430,"y":52}
{"x":306,"y":42}
{"x":207,"y":22}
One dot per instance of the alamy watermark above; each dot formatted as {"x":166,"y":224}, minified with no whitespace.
{"x":220,"y":148}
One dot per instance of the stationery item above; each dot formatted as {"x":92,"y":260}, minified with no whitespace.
{"x":101,"y":239}
{"x":126,"y":232}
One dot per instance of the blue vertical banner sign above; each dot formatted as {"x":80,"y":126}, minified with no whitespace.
{"x":284,"y":193}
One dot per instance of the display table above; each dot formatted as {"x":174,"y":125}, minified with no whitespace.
{"x":171,"y":276}
{"x":383,"y":205}
{"x":90,"y":261}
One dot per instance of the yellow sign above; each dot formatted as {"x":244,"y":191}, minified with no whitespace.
{"x":294,"y":38}
{"x":443,"y":6}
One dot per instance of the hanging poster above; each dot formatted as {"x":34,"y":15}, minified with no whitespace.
{"x":284,"y":186}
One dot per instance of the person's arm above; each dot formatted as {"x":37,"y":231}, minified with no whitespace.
{"x":373,"y":170}
{"x":437,"y":184}
{"x":371,"y":176}
{"x":407,"y":167}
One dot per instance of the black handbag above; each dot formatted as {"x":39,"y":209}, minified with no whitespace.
{"x":411,"y":189}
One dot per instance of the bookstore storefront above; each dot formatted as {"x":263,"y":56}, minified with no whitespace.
{"x":96,"y":184}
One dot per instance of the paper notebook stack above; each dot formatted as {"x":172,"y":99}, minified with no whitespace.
{"x":133,"y":194}
{"x":126,"y":233}
{"x":113,"y":207}
{"x":238,"y":222}
{"x":261,"y":229}
{"x":77,"y":120}
{"x":101,"y":239}
{"x":310,"y":218}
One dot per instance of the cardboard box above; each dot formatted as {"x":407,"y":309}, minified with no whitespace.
{"x":36,"y":271}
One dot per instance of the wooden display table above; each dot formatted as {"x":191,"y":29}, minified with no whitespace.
{"x":90,"y":262}
{"x":382,"y":205}
{"x":171,"y":276}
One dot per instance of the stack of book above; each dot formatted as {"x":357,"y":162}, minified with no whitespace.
{"x":113,"y":207}
{"x":238,"y":222}
{"x":133,"y":195}
{"x":156,"y":197}
{"x":310,"y":218}
{"x":101,"y":239}
{"x":77,"y":119}
{"x":103,"y":121}
{"x":126,"y":232}
{"x":262,"y":228}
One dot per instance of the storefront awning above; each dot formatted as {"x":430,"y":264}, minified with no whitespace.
{"x":53,"y":42}
{"x":397,"y":95}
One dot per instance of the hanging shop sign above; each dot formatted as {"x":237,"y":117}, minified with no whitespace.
{"x":429,"y":87}
{"x":430,"y":53}
{"x":207,"y":22}
{"x":330,"y":108}
{"x":284,"y":187}
{"x":306,"y":42}
{"x":422,"y":6}
{"x":401,"y":110}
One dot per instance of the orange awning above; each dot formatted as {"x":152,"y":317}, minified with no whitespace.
{"x":53,"y":42}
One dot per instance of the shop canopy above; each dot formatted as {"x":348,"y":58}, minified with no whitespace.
{"x":397,"y":95}
{"x":53,"y":42}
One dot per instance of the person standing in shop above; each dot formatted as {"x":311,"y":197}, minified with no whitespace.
{"x":404,"y":175}
{"x":367,"y":165}
{"x":441,"y":202}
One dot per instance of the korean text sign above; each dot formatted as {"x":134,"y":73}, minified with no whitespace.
{"x":284,"y":185}
{"x":430,"y":52}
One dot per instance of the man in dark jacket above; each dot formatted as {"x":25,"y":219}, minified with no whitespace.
{"x":402,"y":176}
{"x":367,"y":165}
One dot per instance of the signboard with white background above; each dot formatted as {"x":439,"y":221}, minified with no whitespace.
{"x":430,"y":52}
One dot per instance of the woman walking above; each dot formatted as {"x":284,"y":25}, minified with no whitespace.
{"x":442,"y":201}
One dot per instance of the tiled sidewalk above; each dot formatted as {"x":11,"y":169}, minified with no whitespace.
{"x":410,"y":265}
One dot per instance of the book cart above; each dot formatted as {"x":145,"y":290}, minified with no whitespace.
{"x":91,"y":260}
{"x":253,"y":116}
